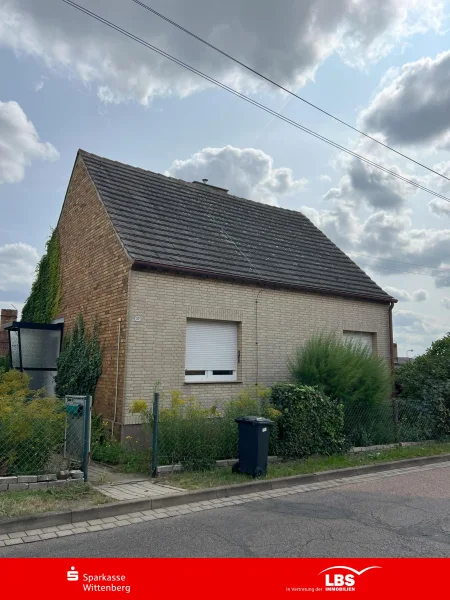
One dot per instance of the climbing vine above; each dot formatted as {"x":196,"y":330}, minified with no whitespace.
{"x":42,"y":305}
{"x":80,"y":362}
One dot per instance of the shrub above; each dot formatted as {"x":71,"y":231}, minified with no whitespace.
{"x":309,"y":421}
{"x":355,"y":377}
{"x":80,"y":362}
{"x":424,"y":394}
{"x":31,"y":427}
{"x":4,"y":363}
{"x":197,"y":436}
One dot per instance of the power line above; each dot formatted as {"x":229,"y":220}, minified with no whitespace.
{"x":250,"y":100}
{"x":281,"y":87}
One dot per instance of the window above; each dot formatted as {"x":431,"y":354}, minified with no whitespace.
{"x":360,"y":337}
{"x":211,"y":351}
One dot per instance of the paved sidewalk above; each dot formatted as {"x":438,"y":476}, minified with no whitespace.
{"x":137,"y":489}
{"x":36,"y":535}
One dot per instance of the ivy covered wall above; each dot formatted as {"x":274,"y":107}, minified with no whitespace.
{"x":42,"y":305}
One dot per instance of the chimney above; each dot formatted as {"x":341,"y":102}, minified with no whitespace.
{"x":7,"y":315}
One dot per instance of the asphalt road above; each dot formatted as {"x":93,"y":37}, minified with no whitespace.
{"x":401,"y":516}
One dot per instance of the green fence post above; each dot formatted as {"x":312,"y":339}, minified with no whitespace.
{"x":155,"y":435}
{"x":87,"y":434}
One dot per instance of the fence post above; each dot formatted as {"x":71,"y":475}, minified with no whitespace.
{"x":155,"y":435}
{"x":87,"y":434}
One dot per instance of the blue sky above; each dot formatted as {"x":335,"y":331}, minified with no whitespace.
{"x":68,"y":82}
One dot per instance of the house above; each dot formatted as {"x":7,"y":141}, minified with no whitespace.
{"x":6,"y":315}
{"x":198,"y":289}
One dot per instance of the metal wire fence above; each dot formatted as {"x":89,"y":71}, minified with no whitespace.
{"x":43,"y":435}
{"x":196,"y":442}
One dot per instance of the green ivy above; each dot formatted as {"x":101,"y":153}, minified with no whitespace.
{"x":42,"y":305}
{"x":80,"y":362}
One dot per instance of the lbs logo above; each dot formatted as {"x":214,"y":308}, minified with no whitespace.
{"x":342,"y":581}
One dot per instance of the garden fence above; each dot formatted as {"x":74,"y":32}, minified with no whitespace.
{"x":197,"y":443}
{"x":44,"y":435}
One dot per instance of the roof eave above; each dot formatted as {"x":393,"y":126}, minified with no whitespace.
{"x":139,"y":265}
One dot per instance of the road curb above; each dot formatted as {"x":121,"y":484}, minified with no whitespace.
{"x":78,"y":515}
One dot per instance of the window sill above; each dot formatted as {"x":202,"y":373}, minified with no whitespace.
{"x":212,"y":382}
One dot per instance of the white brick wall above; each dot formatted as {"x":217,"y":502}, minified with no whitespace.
{"x":286,"y":319}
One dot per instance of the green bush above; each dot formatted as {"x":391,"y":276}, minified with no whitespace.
{"x":355,"y":377}
{"x":4,"y":364}
{"x":31,"y":427}
{"x":309,"y":422}
{"x":424,"y":393}
{"x":80,"y":362}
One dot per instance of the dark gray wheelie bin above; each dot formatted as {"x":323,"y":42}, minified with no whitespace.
{"x":253,"y":445}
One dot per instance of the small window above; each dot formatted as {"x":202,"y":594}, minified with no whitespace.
{"x":360,"y":338}
{"x":211,"y":351}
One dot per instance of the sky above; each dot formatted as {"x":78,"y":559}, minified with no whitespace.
{"x":68,"y":81}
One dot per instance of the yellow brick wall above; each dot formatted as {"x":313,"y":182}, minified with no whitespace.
{"x":94,"y":272}
{"x":163,"y":302}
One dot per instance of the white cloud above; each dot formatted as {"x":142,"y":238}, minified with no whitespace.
{"x":325,"y":178}
{"x":17,"y":266}
{"x":417,"y":331}
{"x":246,"y":172}
{"x":19,"y":143}
{"x":419,"y":295}
{"x":441,"y":208}
{"x":287,"y":45}
{"x":446,"y":303}
{"x":414,"y":107}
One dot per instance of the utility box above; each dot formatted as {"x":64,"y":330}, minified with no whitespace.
{"x":253,"y":445}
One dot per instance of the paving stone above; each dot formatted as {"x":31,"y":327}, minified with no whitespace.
{"x":80,"y":530}
{"x":148,"y":512}
{"x":123,"y":523}
{"x":17,"y":486}
{"x":9,"y":479}
{"x":123,"y":517}
{"x":64,"y":533}
{"x":48,"y":477}
{"x":80,"y":524}
{"x":136,"y":514}
{"x":94,"y":527}
{"x":13,"y":542}
{"x":41,"y":485}
{"x":109,"y":525}
{"x":95,"y":522}
{"x":26,"y":478}
{"x":17,"y":534}
{"x":109,"y":520}
{"x":4,"y":536}
{"x":136,"y":519}
{"x":49,"y":529}
{"x":48,"y":536}
{"x":66,"y":527}
{"x":147,"y":518}
{"x":2,"y":544}
{"x":31,"y":538}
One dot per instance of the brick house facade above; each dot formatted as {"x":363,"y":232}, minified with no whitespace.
{"x":147,"y":255}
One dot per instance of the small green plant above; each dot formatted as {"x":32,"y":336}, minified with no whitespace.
{"x":4,"y":364}
{"x":309,"y":422}
{"x":80,"y":362}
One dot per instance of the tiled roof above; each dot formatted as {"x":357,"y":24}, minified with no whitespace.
{"x":192,"y":226}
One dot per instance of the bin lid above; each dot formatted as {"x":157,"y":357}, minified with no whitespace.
{"x":252,"y":420}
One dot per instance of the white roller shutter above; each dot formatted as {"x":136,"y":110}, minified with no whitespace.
{"x":211,"y":345}
{"x":361,"y":338}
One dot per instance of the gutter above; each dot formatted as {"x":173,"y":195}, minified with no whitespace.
{"x":142,"y":265}
{"x":391,"y":335}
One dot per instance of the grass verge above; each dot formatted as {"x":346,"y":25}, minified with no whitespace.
{"x":192,"y":480}
{"x":15,"y":504}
